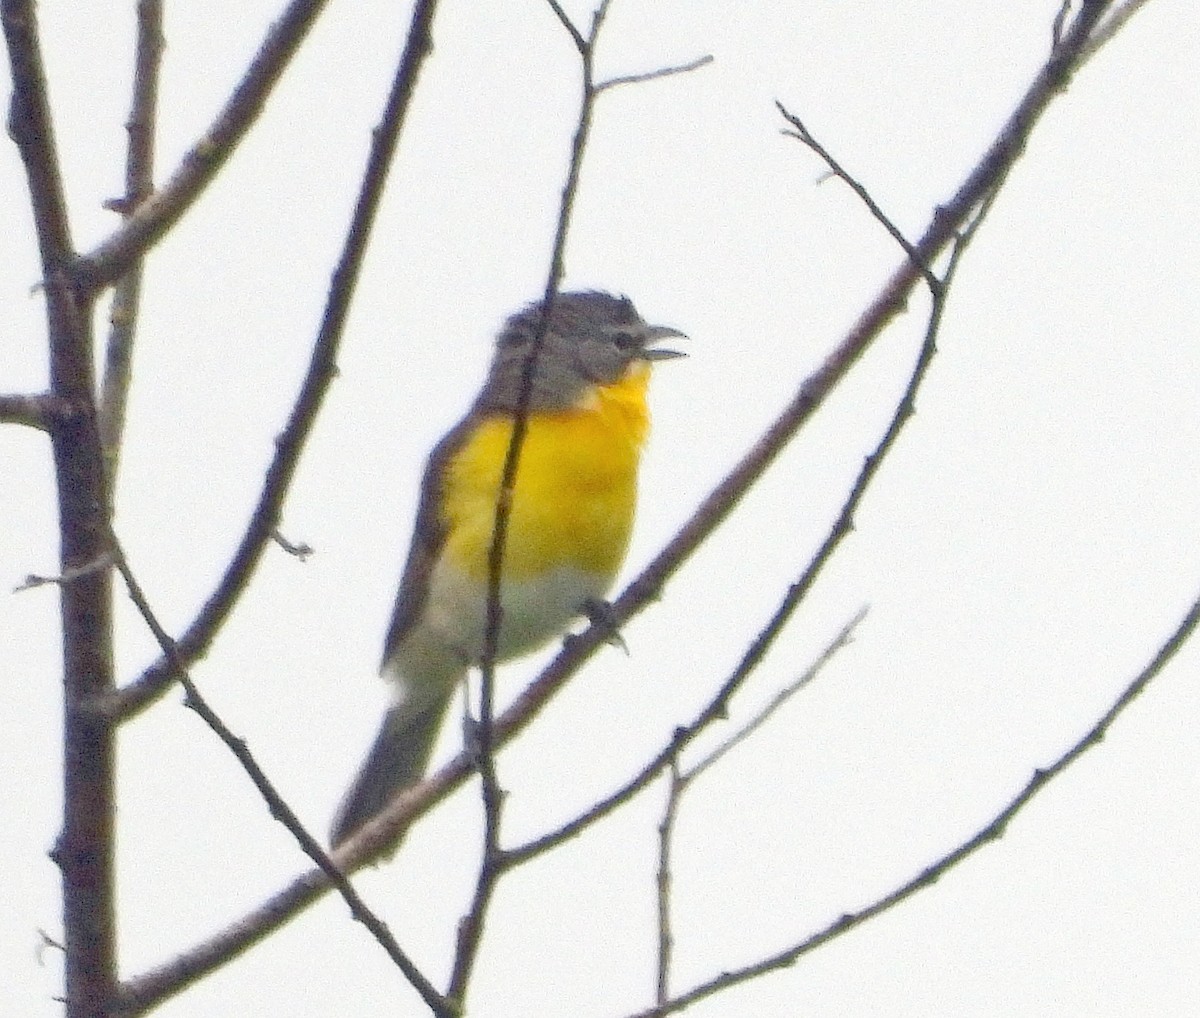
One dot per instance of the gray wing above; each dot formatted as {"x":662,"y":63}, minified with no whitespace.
{"x":429,"y":534}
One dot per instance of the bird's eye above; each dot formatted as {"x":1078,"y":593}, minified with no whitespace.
{"x":624,"y":340}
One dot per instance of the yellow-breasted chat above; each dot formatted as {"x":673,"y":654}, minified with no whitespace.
{"x":569,"y":524}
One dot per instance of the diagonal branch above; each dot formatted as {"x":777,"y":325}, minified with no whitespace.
{"x":322,"y":367}
{"x":162,"y":209}
{"x":992,"y":831}
{"x":279,"y":809}
{"x":718,"y":706}
{"x":805,"y":136}
{"x":655,"y":75}
{"x":1111,"y":25}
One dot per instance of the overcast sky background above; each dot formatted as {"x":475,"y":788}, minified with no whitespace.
{"x":1024,"y":552}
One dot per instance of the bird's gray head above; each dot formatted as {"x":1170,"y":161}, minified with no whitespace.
{"x":591,"y":339}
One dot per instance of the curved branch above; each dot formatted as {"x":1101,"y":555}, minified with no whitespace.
{"x":156,"y":679}
{"x":494,"y":863}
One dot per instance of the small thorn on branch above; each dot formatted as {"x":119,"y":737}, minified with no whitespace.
{"x":302,"y":550}
{"x":68,"y":575}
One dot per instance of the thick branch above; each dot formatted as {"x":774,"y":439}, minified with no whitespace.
{"x":31,"y":127}
{"x":84,"y":847}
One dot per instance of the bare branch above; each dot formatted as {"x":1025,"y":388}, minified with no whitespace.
{"x":662,"y":72}
{"x":803,"y":134}
{"x":161,"y":210}
{"x":321,"y":370}
{"x":931,"y":874}
{"x":139,"y":182}
{"x":576,"y":36}
{"x":717,"y":707}
{"x":662,"y":883}
{"x":301,"y":550}
{"x":1059,"y":23}
{"x":493,"y":864}
{"x":84,"y":849}
{"x":844,"y":637}
{"x":101,"y":562}
{"x":680,"y":781}
{"x":36,"y":410}
{"x":31,"y":126}
{"x":278,"y":807}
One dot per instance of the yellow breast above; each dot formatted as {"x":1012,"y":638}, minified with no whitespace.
{"x":575,"y":489}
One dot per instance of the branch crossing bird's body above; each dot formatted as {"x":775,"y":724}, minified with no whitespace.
{"x":568,"y":529}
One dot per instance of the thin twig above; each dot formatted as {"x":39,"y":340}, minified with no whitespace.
{"x":264,"y":521}
{"x":301,"y":549}
{"x":804,"y":135}
{"x":161,"y":210}
{"x":139,"y":182}
{"x":676,"y":784}
{"x":494,"y":863}
{"x":764,"y":714}
{"x":992,"y":831}
{"x":100,"y":563}
{"x":716,"y":709}
{"x":662,"y":72}
{"x":276,"y":804}
{"x":679,"y":781}
{"x":576,"y":36}
{"x":1059,"y":23}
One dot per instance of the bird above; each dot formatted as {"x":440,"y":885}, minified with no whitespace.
{"x":570,"y":519}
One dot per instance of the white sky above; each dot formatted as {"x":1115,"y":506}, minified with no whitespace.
{"x":1027,"y":547}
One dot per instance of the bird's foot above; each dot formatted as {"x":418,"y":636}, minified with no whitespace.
{"x":601,"y":615}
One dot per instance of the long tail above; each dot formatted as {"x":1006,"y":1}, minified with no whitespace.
{"x":397,"y":759}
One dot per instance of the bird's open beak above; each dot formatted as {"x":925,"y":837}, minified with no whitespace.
{"x":652,"y":334}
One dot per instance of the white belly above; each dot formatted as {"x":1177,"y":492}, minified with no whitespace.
{"x":449,"y":637}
